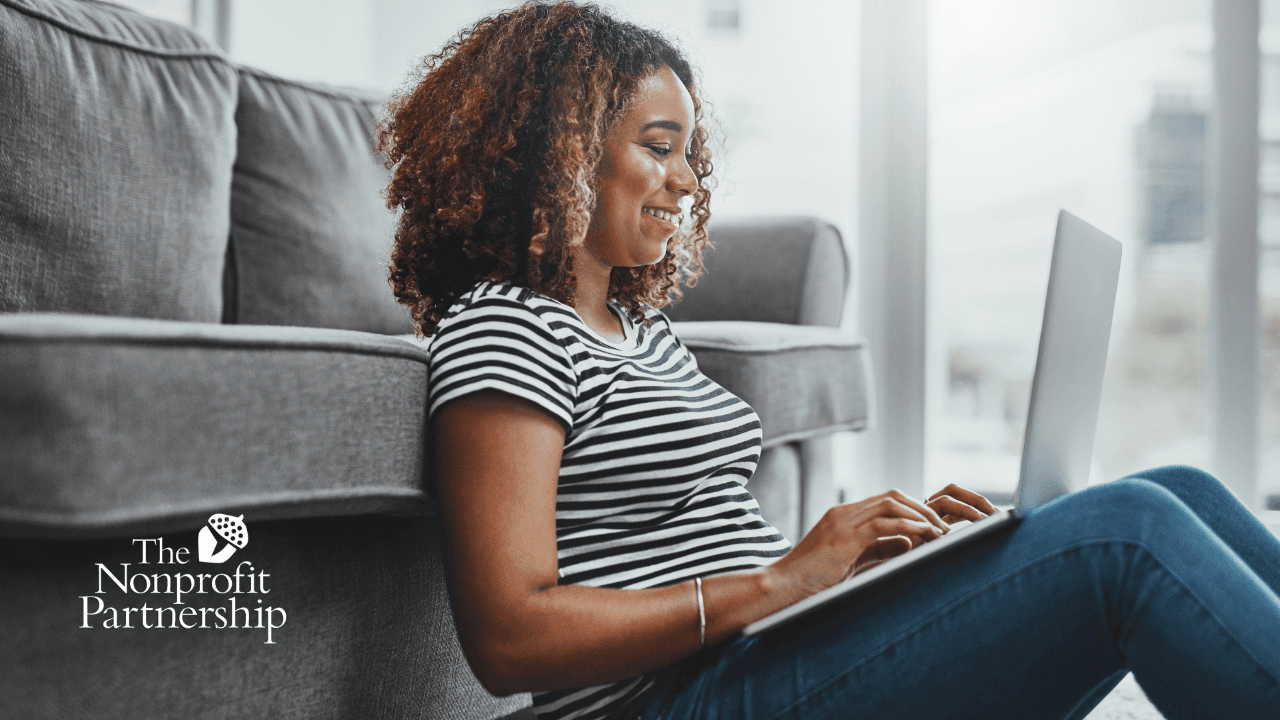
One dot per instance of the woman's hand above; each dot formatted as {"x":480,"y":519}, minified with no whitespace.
{"x":850,"y":538}
{"x":955,"y":503}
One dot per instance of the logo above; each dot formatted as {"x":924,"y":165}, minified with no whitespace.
{"x":221,"y":537}
{"x":161,"y":589}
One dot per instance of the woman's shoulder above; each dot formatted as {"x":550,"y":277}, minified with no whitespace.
{"x":487,"y":294}
{"x":500,"y":303}
{"x":500,"y":337}
{"x":502,"y":309}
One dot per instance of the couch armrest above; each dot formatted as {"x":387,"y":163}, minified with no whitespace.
{"x":791,"y":270}
{"x":804,"y":382}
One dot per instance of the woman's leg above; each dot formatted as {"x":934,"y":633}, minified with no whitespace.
{"x":1038,"y":622}
{"x":1214,"y":504}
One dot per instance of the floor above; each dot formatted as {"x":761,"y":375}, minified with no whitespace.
{"x":1126,"y":702}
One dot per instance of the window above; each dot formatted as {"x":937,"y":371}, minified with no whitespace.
{"x":1100,"y":108}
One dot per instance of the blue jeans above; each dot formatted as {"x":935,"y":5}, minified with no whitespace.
{"x":1162,"y":573}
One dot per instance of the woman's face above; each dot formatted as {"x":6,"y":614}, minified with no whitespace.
{"x":644,"y":175}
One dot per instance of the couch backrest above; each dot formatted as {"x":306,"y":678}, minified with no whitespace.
{"x":310,"y":234}
{"x":115,"y":163}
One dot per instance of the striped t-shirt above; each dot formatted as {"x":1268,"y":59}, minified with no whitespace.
{"x":655,"y":459}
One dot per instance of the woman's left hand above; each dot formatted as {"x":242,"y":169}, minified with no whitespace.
{"x":955,"y":503}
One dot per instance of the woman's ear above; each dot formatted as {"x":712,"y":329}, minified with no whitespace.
{"x":538,"y":246}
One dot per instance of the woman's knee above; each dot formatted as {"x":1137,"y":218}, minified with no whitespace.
{"x":1127,"y":508}
{"x":1183,"y":481}
{"x":1134,"y":492}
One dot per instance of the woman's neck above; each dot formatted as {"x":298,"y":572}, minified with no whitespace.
{"x":592,"y":296}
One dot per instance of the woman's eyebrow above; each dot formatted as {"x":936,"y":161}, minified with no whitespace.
{"x":664,"y":124}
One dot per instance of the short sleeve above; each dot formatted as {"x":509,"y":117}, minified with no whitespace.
{"x":496,"y":343}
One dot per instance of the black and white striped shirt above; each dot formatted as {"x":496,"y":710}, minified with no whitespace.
{"x":655,"y":459}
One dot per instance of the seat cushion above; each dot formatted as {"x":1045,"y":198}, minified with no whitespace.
{"x":803,"y":381}
{"x":113,"y":424}
{"x":310,"y":232}
{"x":115,"y":163}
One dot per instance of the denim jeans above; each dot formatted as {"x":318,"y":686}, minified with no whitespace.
{"x":1162,"y":573}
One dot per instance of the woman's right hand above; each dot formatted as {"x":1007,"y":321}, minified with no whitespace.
{"x":853,"y":537}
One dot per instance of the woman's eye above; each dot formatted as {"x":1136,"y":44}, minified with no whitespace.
{"x":662,"y":150}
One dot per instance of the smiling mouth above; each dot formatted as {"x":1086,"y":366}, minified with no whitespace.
{"x":663,"y":215}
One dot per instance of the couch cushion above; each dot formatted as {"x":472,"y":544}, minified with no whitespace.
{"x":803,"y":381}
{"x":115,"y":163}
{"x":110,"y":424}
{"x":310,"y":231}
{"x":795,"y":267}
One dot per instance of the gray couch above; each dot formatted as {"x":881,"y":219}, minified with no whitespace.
{"x":194,"y":320}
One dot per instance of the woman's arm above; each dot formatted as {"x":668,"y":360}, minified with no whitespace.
{"x":498,"y":464}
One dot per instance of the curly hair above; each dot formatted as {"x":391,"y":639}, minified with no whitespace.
{"x":494,"y":150}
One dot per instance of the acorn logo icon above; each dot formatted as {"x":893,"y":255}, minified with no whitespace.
{"x":221,"y":537}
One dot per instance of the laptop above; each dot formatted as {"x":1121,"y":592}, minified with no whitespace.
{"x":1063,"y":415}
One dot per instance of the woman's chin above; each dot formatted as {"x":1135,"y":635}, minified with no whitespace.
{"x":655,"y":260}
{"x":652,"y":257}
{"x":660,"y":253}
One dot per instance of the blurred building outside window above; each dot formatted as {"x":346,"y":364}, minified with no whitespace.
{"x":1009,"y":148}
{"x":1100,"y":108}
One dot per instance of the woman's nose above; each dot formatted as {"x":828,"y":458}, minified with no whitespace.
{"x":683,"y":180}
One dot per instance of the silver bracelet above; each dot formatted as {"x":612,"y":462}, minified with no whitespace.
{"x":702,"y":612}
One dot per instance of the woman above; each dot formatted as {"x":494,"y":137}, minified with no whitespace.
{"x":553,"y":174}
